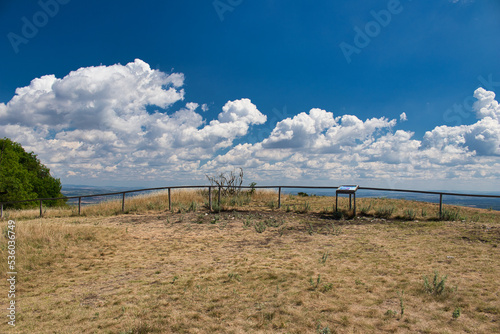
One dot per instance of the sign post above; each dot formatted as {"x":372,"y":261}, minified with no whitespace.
{"x":351,"y":190}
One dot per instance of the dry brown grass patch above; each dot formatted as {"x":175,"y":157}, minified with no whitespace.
{"x":200,"y":272}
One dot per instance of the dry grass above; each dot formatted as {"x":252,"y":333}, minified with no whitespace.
{"x":255,"y":271}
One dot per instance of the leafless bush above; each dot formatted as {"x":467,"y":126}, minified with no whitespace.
{"x":229,"y":182}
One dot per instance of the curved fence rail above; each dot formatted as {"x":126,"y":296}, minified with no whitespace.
{"x":219,"y":188}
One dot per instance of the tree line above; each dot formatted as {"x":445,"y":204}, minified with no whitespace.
{"x":23,"y":176}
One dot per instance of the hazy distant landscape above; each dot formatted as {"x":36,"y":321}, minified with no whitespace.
{"x":482,"y":203}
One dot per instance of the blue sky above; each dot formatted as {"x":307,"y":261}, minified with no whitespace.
{"x":233,"y":83}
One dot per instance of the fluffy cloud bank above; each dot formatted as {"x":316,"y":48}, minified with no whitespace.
{"x":119,"y":123}
{"x":319,"y":146}
{"x":97,"y":122}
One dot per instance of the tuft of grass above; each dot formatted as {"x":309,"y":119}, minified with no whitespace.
{"x":365,"y":210}
{"x":216,"y":207}
{"x":391,"y":313}
{"x":247,"y":223}
{"x":456,"y":313}
{"x":305,"y":208}
{"x":401,"y":304}
{"x":272,"y":205}
{"x":323,"y":330}
{"x":315,"y":284}
{"x":193,"y":207}
{"x":326,"y":287}
{"x":260,"y":227}
{"x":324,"y":257}
{"x":234,"y":276}
{"x":410,"y":214}
{"x":451,"y":215}
{"x":437,"y":287}
{"x":272,"y":222}
{"x":385,"y":212}
{"x":334,"y":230}
{"x":215,"y":219}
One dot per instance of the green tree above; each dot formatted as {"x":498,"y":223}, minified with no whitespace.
{"x":23,"y":176}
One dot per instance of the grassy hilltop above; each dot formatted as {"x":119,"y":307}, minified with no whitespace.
{"x":254,"y":268}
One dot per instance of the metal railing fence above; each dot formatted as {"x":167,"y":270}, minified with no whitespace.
{"x":219,"y":188}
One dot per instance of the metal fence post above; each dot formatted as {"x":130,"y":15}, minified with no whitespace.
{"x":440,"y":206}
{"x":210,"y":198}
{"x":354,"y":212}
{"x":79,"y":206}
{"x":219,"y":197}
{"x":41,"y":209}
{"x":336,"y":202}
{"x":279,"y":198}
{"x":123,"y":202}
{"x":169,"y":200}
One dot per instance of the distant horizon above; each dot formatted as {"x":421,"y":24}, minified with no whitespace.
{"x":478,"y":202}
{"x":274,"y":185}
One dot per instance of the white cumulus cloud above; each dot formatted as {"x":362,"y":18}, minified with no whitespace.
{"x":100,"y":120}
{"x":123,"y":122}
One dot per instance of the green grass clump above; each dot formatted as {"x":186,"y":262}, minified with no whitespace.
{"x":260,"y":227}
{"x":438,"y":284}
{"x":410,"y":214}
{"x":451,"y":215}
{"x":385,"y":212}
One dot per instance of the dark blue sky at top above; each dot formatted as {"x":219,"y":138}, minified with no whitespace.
{"x":283,"y":55}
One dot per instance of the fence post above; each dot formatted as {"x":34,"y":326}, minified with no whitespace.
{"x":279,"y":198}
{"x":354,"y":195}
{"x":169,"y":200}
{"x":79,"y":206}
{"x":219,"y":197}
{"x":41,"y":209}
{"x":440,"y":206}
{"x":123,"y":202}
{"x":210,"y":198}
